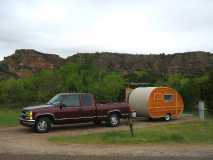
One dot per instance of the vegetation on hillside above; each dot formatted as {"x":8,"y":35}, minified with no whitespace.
{"x":25,"y":62}
{"x":188,"y":63}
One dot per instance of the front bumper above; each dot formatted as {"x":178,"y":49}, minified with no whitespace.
{"x":27,"y":123}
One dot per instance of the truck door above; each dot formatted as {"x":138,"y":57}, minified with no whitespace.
{"x":88,"y":108}
{"x":70,"y":112}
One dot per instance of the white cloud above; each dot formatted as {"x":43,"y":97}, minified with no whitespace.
{"x":137,"y":26}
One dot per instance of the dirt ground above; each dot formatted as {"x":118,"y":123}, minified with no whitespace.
{"x":90,"y":157}
{"x":20,"y":143}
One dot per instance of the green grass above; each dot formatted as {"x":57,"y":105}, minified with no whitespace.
{"x":188,"y":132}
{"x":8,"y":118}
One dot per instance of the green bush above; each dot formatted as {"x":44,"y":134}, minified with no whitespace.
{"x":69,"y":78}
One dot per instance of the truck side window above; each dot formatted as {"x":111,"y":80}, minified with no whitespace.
{"x":71,"y":100}
{"x":86,"y":100}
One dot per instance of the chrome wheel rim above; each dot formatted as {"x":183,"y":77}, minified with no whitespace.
{"x":167,"y":117}
{"x":42,"y":125}
{"x":114,"y":120}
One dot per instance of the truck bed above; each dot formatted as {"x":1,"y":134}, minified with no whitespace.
{"x":104,"y":109}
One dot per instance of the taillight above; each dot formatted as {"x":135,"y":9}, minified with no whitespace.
{"x":130,"y":109}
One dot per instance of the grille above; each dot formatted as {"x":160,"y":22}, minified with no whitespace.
{"x":25,"y":115}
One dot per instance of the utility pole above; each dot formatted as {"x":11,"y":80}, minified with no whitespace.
{"x":131,"y":124}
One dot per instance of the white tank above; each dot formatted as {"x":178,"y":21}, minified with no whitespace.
{"x":139,"y":98}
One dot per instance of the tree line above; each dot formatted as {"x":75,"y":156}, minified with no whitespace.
{"x":69,"y":78}
{"x":192,"y":88}
{"x":105,"y":85}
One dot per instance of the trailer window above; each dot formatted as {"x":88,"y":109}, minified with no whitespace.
{"x":86,"y":100}
{"x":168,"y":97}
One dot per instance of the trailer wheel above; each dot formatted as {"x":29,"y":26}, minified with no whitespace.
{"x":114,"y":120}
{"x":167,"y":117}
{"x":43,"y":125}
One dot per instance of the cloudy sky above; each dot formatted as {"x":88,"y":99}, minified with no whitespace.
{"x":131,"y":26}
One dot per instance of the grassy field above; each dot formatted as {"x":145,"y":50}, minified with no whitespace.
{"x":187,"y":132}
{"x":8,"y":118}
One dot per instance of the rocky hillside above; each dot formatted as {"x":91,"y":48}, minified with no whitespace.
{"x":25,"y":62}
{"x":189,"y":63}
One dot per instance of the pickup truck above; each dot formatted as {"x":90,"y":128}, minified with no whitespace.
{"x":67,"y":108}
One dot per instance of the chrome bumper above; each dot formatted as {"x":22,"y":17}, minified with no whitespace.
{"x":26,"y":122}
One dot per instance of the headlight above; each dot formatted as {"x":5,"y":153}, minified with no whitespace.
{"x":29,"y":115}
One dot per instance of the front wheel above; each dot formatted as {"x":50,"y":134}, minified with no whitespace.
{"x":43,"y":125}
{"x":114,"y":120}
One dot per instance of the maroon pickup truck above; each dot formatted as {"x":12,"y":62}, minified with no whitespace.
{"x":72,"y":108}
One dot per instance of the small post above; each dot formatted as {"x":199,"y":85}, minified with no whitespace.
{"x":131,"y":125}
{"x":201,"y":109}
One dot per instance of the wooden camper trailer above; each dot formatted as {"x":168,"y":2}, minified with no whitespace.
{"x":156,"y":102}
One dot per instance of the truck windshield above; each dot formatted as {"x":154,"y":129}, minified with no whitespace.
{"x":56,"y":99}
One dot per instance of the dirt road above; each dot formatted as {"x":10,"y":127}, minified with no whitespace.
{"x":83,"y":157}
{"x":21,"y":141}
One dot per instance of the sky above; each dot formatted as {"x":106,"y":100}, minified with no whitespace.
{"x":66,"y":27}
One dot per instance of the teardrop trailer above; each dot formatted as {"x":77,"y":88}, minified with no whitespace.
{"x":156,"y":102}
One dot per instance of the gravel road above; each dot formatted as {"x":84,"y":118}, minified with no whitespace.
{"x":83,"y":157}
{"x":21,"y":143}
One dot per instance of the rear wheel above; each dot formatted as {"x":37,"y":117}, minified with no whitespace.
{"x":167,"y":117}
{"x":43,"y":125}
{"x":114,"y":120}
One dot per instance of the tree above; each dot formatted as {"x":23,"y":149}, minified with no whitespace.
{"x":69,"y":78}
{"x":188,"y":88}
{"x":141,"y":76}
{"x":206,"y":86}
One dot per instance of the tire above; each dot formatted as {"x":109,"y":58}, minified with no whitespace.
{"x":114,"y":120}
{"x":43,"y":125}
{"x":34,"y":128}
{"x":167,"y":117}
{"x":150,"y":119}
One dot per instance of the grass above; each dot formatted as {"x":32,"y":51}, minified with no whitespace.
{"x":8,"y":118}
{"x":188,"y":132}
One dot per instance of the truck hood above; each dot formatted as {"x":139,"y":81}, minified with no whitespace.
{"x":37,"y":107}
